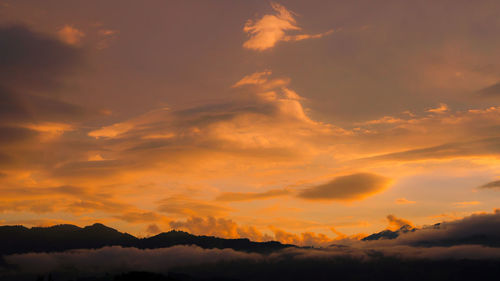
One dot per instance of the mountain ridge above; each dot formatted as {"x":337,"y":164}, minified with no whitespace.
{"x":20,"y":239}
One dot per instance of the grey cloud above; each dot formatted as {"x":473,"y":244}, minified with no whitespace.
{"x":32,"y":67}
{"x":491,"y":185}
{"x":493,"y":90}
{"x":118,"y":259}
{"x":479,"y":229}
{"x":15,"y":135}
{"x":31,"y":59}
{"x":194,"y":259}
{"x":346,"y":188}
{"x":89,"y":168}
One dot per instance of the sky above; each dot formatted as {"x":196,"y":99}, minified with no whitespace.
{"x":296,"y":121}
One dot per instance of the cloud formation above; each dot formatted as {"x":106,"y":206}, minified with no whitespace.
{"x":118,"y":259}
{"x":472,"y":238}
{"x":491,"y":185}
{"x":251,"y":139}
{"x":403,"y":201}
{"x":267,"y":31}
{"x":247,"y":196}
{"x":70,"y":35}
{"x":491,"y":91}
{"x":347,"y":188}
{"x":32,"y":67}
{"x":396,"y":223}
{"x":480,"y":229}
{"x":219,"y":227}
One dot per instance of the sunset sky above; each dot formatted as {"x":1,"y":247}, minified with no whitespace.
{"x":297,"y":121}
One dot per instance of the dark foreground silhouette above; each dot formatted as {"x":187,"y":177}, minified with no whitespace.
{"x":19,"y":239}
{"x":383,"y":269}
{"x":468,"y":251}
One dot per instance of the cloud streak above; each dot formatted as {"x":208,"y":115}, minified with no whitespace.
{"x":491,"y":185}
{"x":267,"y":31}
{"x":248,"y":196}
{"x":347,"y":188}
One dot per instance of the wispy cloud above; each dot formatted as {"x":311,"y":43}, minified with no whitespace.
{"x":404,"y":201}
{"x":466,"y":203}
{"x":491,"y":185}
{"x":267,"y":31}
{"x":248,"y":196}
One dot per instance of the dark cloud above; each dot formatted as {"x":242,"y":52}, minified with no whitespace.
{"x":491,"y":185}
{"x":478,"y":229}
{"x":32,"y":69}
{"x":32,"y":60}
{"x":118,"y":259}
{"x":391,"y":263}
{"x":89,"y":168}
{"x":15,"y":134}
{"x":153,"y":229}
{"x":76,"y":191}
{"x":493,"y":90}
{"x":346,"y":188}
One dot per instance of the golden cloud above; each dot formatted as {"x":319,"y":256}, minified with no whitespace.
{"x":265,"y":32}
{"x":180,"y":205}
{"x":247,"y":196}
{"x":70,"y":35}
{"x":404,"y":201}
{"x":396,"y":223}
{"x":227,"y":228}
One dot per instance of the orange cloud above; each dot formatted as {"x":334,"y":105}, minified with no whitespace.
{"x":303,"y":239}
{"x":404,"y":201}
{"x":70,"y":35}
{"x":306,"y":36}
{"x":138,"y":216}
{"x":181,"y":205}
{"x":396,"y":223}
{"x":441,"y":109}
{"x":215,"y":227}
{"x":447,"y":135}
{"x":247,"y":196}
{"x":229,"y":229}
{"x":347,"y":188}
{"x":265,"y":32}
{"x":106,"y":37}
{"x":466,"y":203}
{"x":264,"y":134}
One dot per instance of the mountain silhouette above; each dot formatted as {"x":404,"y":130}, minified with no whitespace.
{"x":389,"y":234}
{"x":19,"y":239}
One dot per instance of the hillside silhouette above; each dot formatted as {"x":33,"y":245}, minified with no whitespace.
{"x":19,"y":239}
